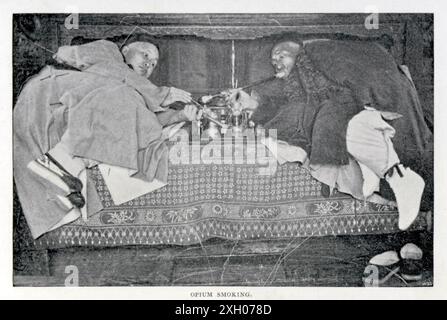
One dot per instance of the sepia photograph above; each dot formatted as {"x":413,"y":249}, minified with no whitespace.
{"x":223,"y":150}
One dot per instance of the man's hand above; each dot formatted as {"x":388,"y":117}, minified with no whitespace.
{"x":240,"y":100}
{"x":176,"y":95}
{"x":191,"y":113}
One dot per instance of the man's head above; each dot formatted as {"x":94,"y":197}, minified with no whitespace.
{"x":283,"y":57}
{"x":141,"y":56}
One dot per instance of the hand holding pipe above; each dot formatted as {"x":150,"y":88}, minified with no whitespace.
{"x":205,"y":99}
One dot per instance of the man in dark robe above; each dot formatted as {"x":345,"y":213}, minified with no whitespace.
{"x":357,"y":115}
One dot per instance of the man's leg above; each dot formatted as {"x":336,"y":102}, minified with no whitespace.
{"x":368,"y":140}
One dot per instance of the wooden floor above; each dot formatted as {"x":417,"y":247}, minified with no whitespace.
{"x":318,"y":261}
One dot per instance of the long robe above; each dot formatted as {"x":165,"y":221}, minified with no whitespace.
{"x":106,"y":113}
{"x":332,"y":82}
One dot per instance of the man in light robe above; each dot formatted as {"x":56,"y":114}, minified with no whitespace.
{"x":356,"y":115}
{"x":107,"y":112}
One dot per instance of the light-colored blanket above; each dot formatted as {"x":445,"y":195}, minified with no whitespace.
{"x":103,"y":113}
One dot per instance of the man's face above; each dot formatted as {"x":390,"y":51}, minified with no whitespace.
{"x":142,"y":56}
{"x":283,"y":61}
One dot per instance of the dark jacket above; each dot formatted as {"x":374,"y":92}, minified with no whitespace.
{"x":332,"y":82}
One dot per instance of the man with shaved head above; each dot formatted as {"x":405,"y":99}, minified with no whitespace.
{"x":142,"y":57}
{"x":357,"y":116}
{"x":106,"y":112}
{"x":283,"y":58}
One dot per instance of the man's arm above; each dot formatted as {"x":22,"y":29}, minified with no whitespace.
{"x":85,"y":55}
{"x":170,"y":116}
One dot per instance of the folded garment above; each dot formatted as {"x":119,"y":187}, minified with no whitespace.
{"x":123,"y":187}
{"x":283,"y":151}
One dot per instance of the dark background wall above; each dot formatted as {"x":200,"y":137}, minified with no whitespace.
{"x":202,"y":65}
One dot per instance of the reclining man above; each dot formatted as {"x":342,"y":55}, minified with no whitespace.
{"x":357,"y":116}
{"x":108,"y":112}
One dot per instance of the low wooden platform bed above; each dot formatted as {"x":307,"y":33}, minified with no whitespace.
{"x":221,"y":224}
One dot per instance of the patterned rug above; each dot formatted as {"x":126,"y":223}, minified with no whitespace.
{"x":226,"y":201}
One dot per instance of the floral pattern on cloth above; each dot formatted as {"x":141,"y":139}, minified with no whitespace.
{"x":259,"y":212}
{"x":244,"y":205}
{"x":118,"y":217}
{"x":326,"y":208}
{"x":182,"y":215}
